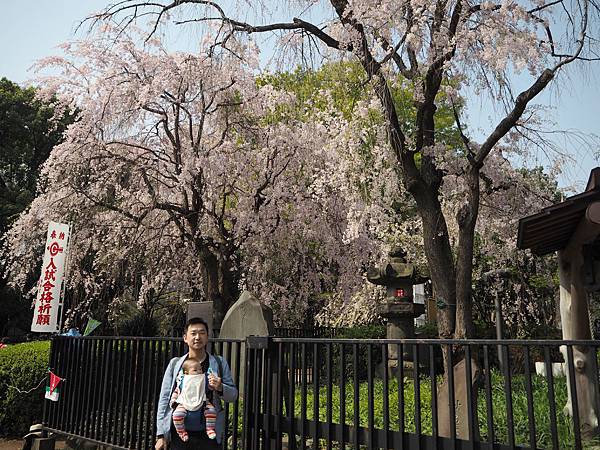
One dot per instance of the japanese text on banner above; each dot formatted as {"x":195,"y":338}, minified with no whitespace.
{"x":48,"y":304}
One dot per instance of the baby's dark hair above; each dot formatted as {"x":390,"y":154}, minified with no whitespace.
{"x":189,"y":363}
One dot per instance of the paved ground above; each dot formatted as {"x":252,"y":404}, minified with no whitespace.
{"x":18,"y":444}
{"x":10,"y":445}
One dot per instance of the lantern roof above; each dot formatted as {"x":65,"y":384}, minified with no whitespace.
{"x":396,"y":270}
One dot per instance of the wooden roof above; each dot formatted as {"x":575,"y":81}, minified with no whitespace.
{"x":551,"y":229}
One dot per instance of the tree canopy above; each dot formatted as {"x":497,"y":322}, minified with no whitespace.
{"x":177,"y":179}
{"x":28,"y":132}
{"x":480,"y":44}
{"x":29,"y":128}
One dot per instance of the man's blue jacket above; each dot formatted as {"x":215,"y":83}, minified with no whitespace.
{"x":164,"y":411}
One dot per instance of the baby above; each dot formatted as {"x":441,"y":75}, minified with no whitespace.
{"x":190,"y":395}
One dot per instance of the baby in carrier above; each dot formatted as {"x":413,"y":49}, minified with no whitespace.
{"x":190,"y":395}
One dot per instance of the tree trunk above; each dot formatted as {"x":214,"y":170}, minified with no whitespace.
{"x":467,"y":219}
{"x":424,"y":185}
{"x":218,"y":283}
{"x":439,"y":259}
{"x":463,"y":328}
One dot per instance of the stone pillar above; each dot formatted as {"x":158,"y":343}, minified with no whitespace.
{"x":203,"y":310}
{"x":574,"y":315}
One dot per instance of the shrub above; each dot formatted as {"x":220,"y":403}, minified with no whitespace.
{"x":138,"y":324}
{"x":481,"y":330}
{"x":22,"y":366}
{"x":373,"y":331}
{"x":429,"y":330}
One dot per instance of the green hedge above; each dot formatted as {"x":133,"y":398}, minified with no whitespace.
{"x":22,"y":366}
{"x":373,"y":331}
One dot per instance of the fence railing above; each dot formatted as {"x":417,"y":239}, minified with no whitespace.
{"x":111,"y":388}
{"x":315,"y":332}
{"x":312,"y":332}
{"x":303,"y":393}
{"x":392,"y":394}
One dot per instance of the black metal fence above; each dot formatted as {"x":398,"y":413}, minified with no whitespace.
{"x":336,"y":393}
{"x":353,"y":393}
{"x":112,"y":385}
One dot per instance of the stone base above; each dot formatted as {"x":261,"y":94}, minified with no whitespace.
{"x":46,"y":443}
{"x":424,"y":354}
{"x":424,"y":362}
{"x":460,"y":399}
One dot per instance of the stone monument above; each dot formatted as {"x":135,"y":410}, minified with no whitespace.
{"x":246,"y":317}
{"x":204,"y":310}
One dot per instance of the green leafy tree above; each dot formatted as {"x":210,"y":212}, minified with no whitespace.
{"x":28,"y":132}
{"x":29,"y":129}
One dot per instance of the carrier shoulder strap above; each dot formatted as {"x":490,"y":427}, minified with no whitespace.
{"x":174,"y":375}
{"x":220,"y":366}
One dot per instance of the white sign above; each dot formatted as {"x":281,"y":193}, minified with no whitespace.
{"x":52,"y":395}
{"x":48,"y":304}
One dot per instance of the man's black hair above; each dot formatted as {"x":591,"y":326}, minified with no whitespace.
{"x":195,"y":321}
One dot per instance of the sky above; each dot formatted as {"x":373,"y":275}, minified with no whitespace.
{"x":32,"y":29}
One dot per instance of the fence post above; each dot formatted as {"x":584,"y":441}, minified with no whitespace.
{"x":47,"y":409}
{"x":256,"y":348}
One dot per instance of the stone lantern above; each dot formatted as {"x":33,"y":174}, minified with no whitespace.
{"x":398,"y":276}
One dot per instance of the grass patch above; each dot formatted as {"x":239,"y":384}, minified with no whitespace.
{"x":541,"y":407}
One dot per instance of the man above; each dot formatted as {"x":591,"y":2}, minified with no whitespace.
{"x":219,"y":382}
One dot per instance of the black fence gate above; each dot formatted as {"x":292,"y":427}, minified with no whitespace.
{"x":301,"y":393}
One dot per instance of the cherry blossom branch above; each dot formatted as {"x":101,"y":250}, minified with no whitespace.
{"x":425,"y":135}
{"x":393,"y":54}
{"x":135,"y":219}
{"x":412,"y":57}
{"x":128,"y":5}
{"x":465,"y":139}
{"x":156,"y":155}
{"x":513,"y":116}
{"x":526,"y":96}
{"x":545,"y":6}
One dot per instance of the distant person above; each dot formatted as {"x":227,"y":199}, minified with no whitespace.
{"x":216,"y":384}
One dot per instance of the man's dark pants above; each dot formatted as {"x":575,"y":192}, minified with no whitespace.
{"x":198,"y":440}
